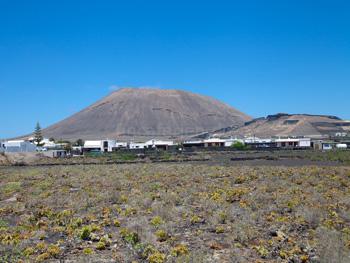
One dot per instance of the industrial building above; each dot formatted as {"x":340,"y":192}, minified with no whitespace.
{"x":18,"y":146}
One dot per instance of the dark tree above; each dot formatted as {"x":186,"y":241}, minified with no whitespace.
{"x":38,"y":137}
{"x":79,"y":142}
{"x":68,"y":146}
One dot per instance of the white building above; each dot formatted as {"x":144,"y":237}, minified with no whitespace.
{"x":77,"y":150}
{"x":159,"y":144}
{"x":214,"y":142}
{"x":194,"y":143}
{"x":278,"y":143}
{"x":341,"y":146}
{"x":254,"y":140}
{"x":19,"y":146}
{"x":341,"y":134}
{"x":121,"y":145}
{"x":293,"y":142}
{"x":45,"y":143}
{"x":137,"y":145}
{"x":230,"y":142}
{"x":327,"y":146}
{"x":48,"y":144}
{"x":99,"y":145}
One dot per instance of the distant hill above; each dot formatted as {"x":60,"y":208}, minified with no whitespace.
{"x":139,"y":114}
{"x":289,"y":125}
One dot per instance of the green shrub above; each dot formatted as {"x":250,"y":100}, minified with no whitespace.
{"x":156,"y":257}
{"x":179,"y":250}
{"x":162,"y":235}
{"x":77,"y":222}
{"x":146,"y":250}
{"x":219,"y":230}
{"x":239,"y":145}
{"x":195,"y":219}
{"x":88,"y":251}
{"x":28,"y":251}
{"x":157,"y":221}
{"x":42,"y":257}
{"x":235,"y":194}
{"x":129,"y":236}
{"x":101,"y":245}
{"x":116,"y":223}
{"x":54,"y":250}
{"x":85,"y":233}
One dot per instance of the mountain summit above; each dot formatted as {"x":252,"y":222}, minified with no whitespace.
{"x":133,"y":113}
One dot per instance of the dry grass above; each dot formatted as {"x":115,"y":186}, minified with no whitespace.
{"x":175,"y":213}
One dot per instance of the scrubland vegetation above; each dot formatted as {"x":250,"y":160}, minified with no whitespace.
{"x":342,"y":156}
{"x":174,"y":213}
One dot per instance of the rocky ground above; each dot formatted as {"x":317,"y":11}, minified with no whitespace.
{"x":20,"y":158}
{"x":175,"y":212}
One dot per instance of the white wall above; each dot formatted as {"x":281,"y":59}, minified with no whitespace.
{"x":137,"y":145}
{"x":19,"y":146}
{"x":305,"y":143}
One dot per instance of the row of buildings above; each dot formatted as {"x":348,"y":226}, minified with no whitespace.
{"x":61,"y":149}
{"x":272,"y":143}
{"x":250,"y":143}
{"x":112,"y":145}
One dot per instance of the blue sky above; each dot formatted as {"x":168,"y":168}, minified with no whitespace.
{"x":262,"y":57}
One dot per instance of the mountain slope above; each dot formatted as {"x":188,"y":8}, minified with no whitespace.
{"x":291,"y":125}
{"x":145,"y":113}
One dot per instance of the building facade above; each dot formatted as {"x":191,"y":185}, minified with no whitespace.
{"x":19,"y":146}
{"x":99,"y":146}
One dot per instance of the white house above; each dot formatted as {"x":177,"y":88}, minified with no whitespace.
{"x":214,"y":142}
{"x":304,"y":142}
{"x":230,"y":142}
{"x":293,"y":142}
{"x":137,"y":145}
{"x":341,"y":134}
{"x":92,"y":146}
{"x":256,"y":140}
{"x":99,"y":145}
{"x":122,"y":145}
{"x":194,"y":143}
{"x":327,"y":146}
{"x":108,"y":145}
{"x":19,"y":146}
{"x":48,"y":144}
{"x":77,"y":150}
{"x":159,"y":144}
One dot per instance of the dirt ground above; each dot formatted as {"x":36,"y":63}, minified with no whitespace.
{"x":175,"y":212}
{"x":20,"y":158}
